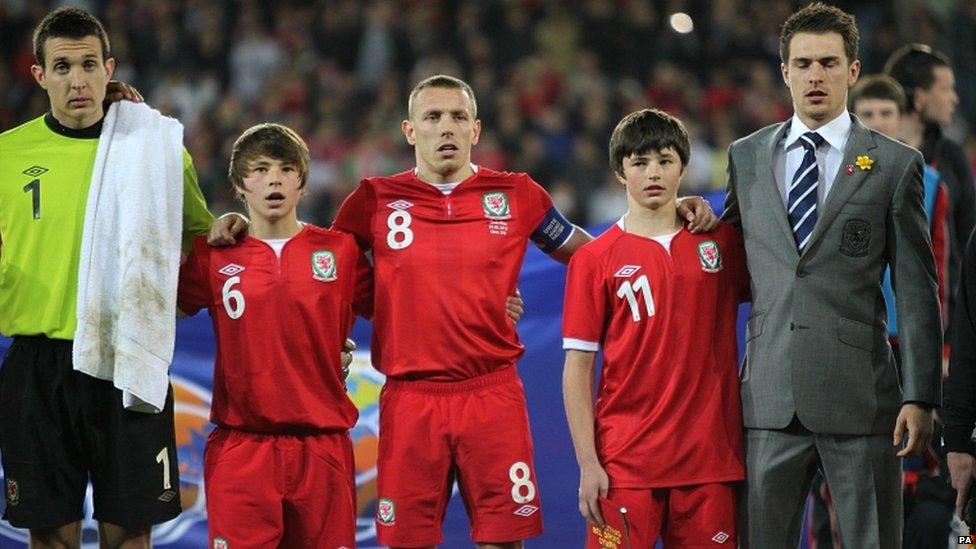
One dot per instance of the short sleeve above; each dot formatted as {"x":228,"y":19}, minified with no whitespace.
{"x":535,"y":203}
{"x":355,"y":216}
{"x":584,"y":307}
{"x":738,"y":268}
{"x":197,"y":219}
{"x":193,"y":292}
{"x":363,"y":296}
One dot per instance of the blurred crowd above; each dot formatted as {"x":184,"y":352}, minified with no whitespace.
{"x":551,"y":77}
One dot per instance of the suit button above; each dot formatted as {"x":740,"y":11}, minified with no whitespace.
{"x":792,"y":326}
{"x":801,"y":273}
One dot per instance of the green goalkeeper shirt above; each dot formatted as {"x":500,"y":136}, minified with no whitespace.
{"x":45,"y":172}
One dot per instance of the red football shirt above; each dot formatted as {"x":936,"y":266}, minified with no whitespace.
{"x":280,"y":324}
{"x":443,"y":267}
{"x":667,"y":410}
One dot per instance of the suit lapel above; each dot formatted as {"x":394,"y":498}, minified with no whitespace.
{"x":844,"y":185}
{"x":767,"y":179}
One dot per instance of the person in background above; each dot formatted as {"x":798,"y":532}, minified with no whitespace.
{"x":930,"y":88}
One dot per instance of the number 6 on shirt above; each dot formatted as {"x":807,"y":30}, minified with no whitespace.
{"x":233,"y":299}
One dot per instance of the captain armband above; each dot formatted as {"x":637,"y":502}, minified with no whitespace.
{"x":553,"y":231}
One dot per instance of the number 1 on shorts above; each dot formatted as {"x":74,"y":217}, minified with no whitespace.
{"x":163,"y":457}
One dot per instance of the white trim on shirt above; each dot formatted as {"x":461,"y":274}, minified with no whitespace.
{"x":445,"y":188}
{"x":277,"y":244}
{"x":663,"y":240}
{"x":571,"y":344}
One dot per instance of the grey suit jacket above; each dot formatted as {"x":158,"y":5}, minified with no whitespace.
{"x":816,"y":343}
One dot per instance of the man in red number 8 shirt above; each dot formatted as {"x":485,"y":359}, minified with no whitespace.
{"x":448,"y":239}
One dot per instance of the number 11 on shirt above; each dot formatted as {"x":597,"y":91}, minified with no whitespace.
{"x":629,"y":292}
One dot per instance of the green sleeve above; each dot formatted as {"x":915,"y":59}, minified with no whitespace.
{"x":197,"y":219}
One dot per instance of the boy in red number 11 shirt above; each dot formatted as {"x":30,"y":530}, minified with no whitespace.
{"x":660,"y":454}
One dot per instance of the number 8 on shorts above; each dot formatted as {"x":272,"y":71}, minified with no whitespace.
{"x":523,"y":491}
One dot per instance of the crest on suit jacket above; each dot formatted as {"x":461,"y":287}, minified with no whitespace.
{"x":710,"y":256}
{"x":856,"y":238}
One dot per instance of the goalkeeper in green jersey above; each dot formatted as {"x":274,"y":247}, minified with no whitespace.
{"x":61,"y":427}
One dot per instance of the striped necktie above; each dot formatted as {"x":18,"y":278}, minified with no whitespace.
{"x":802,"y":196}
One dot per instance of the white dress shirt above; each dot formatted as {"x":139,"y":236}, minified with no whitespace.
{"x":830,"y":154}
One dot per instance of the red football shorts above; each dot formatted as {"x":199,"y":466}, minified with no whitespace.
{"x":280,"y":490}
{"x":476,"y":430}
{"x":688,"y":516}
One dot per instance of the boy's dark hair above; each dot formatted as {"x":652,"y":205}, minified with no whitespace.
{"x":819,"y":18}
{"x":644,"y":131}
{"x":442,"y":81}
{"x":69,"y":22}
{"x":913,"y":66}
{"x":271,"y":140}
{"x":878,"y":86}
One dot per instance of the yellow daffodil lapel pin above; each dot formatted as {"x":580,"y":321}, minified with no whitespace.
{"x":864,"y":162}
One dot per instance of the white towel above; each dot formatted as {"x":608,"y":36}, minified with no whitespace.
{"x":130,"y":254}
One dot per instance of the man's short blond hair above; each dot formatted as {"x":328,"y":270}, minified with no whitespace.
{"x":442,"y":81}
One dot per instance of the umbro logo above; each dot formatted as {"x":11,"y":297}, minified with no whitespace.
{"x":230,"y":269}
{"x":526,"y":510}
{"x":167,"y":496}
{"x":626,"y":271}
{"x":34,"y":171}
{"x":721,"y":537}
{"x":400,"y":205}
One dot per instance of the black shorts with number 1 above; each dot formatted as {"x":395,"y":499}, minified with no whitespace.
{"x":61,"y":427}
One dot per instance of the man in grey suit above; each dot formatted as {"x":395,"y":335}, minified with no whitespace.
{"x":824,"y":205}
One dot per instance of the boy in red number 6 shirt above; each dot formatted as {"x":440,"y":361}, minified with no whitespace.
{"x":279,"y":466}
{"x":658,"y":458}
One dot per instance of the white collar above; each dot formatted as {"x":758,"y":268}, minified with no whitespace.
{"x":416,"y":173}
{"x":620,"y":223}
{"x":834,"y":132}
